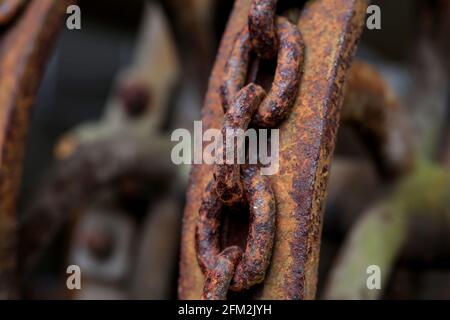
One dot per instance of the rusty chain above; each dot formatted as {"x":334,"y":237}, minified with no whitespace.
{"x":234,"y":269}
{"x":261,"y":25}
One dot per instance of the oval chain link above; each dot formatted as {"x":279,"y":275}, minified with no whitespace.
{"x":261,"y":25}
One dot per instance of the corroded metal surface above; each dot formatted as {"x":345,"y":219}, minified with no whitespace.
{"x":330,"y":30}
{"x":281,"y":96}
{"x":258,"y":250}
{"x":24,"y":48}
{"x":207,"y":241}
{"x":238,"y":117}
{"x":261,"y":24}
{"x":278,"y":103}
{"x":256,"y":257}
{"x":218,"y":279}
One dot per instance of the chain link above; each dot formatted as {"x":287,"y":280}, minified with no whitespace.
{"x":233,"y":269}
{"x":261,"y":25}
{"x":281,"y":96}
{"x":238,"y":117}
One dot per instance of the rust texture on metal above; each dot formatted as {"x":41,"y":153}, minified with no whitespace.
{"x":278,"y":103}
{"x":235,"y":69}
{"x":256,"y":258}
{"x":261,"y":25}
{"x":330,"y":30}
{"x":238,"y":117}
{"x":207,"y":241}
{"x":227,"y":176}
{"x":9,"y":9}
{"x":25,"y":46}
{"x":281,"y":96}
{"x":218,"y":279}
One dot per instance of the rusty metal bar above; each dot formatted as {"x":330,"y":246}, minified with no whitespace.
{"x":24,"y":48}
{"x":330,"y":30}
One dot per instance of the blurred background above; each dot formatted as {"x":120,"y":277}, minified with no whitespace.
{"x":99,"y":150}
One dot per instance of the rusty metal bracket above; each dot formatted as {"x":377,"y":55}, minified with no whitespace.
{"x":330,"y":29}
{"x":25,"y":45}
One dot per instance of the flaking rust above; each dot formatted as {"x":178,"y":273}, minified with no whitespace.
{"x":218,"y":280}
{"x":258,"y":250}
{"x":262,"y":27}
{"x":24,"y":48}
{"x":238,"y":117}
{"x":330,"y":29}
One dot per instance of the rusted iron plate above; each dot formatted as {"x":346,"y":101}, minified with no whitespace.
{"x":24,"y":48}
{"x":330,"y":30}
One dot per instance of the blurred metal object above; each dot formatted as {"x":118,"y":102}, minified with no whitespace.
{"x":307,"y":139}
{"x":25,"y":47}
{"x":136,"y":98}
{"x":352,"y":185}
{"x":123,"y":256}
{"x":194,"y":28}
{"x":373,"y":110}
{"x":125,"y":148}
{"x":116,"y":231}
{"x":446,"y":153}
{"x":430,"y":67}
{"x":382,"y":231}
{"x":76,"y":180}
{"x":385,"y":232}
{"x":9,"y":9}
{"x":138,"y":103}
{"x":217,"y":279}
